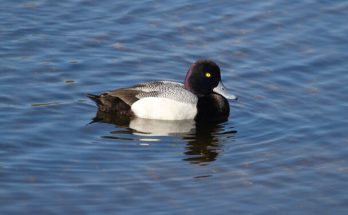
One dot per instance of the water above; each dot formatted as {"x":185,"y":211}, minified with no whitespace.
{"x":284,"y":149}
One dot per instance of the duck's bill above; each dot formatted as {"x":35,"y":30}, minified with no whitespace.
{"x":221,"y":89}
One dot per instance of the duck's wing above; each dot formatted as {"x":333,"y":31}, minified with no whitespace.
{"x":165,"y":89}
{"x":117,"y":101}
{"x":127,"y":95}
{"x":122,"y":99}
{"x":164,"y":100}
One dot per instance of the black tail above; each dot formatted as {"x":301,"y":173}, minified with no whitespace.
{"x":110,"y":104}
{"x":95,"y":98}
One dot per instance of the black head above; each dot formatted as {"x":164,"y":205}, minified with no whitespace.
{"x":202,"y":77}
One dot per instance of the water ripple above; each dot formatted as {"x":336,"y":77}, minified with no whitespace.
{"x":286,"y":135}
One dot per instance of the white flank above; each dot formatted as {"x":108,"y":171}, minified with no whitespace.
{"x":163,"y":109}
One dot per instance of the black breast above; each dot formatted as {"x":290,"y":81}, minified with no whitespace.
{"x":213,"y":107}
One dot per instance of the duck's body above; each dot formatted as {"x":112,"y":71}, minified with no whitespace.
{"x":169,"y":100}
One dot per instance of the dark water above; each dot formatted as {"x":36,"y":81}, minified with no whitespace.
{"x":284,"y":149}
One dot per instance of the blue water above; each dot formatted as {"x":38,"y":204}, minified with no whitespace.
{"x":284,"y":149}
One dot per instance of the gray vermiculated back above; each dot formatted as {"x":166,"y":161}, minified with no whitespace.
{"x":165,"y":89}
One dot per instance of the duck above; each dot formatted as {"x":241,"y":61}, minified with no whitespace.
{"x":202,"y":96}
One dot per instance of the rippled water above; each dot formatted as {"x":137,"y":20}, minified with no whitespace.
{"x":284,"y":149}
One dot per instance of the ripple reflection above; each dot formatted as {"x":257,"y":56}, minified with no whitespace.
{"x":204,"y":140}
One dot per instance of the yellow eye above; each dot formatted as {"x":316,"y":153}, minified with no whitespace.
{"x":207,"y":75}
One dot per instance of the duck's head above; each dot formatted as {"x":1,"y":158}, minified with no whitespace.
{"x":204,"y":78}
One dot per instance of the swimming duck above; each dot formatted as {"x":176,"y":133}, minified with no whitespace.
{"x":201,"y":97}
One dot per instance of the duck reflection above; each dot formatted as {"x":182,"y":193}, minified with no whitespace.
{"x":147,"y":127}
{"x":203,"y":144}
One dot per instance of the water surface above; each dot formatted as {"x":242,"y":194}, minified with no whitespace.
{"x":283,"y":150}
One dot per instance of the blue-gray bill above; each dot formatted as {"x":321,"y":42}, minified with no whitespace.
{"x":221,"y":89}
